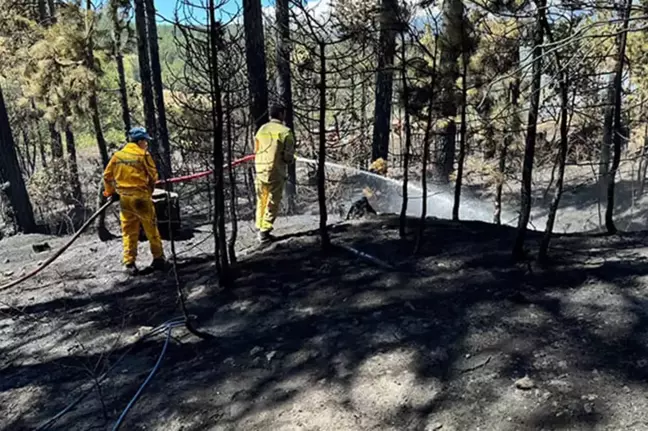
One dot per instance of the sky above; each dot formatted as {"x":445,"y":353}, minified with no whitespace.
{"x":166,"y":8}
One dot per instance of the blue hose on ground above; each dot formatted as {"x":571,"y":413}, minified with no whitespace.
{"x":148,"y":378}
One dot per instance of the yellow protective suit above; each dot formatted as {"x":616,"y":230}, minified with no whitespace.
{"x":274,"y":150}
{"x":132,"y":173}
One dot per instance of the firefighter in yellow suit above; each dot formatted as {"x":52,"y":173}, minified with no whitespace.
{"x":130,"y":177}
{"x":274,"y":150}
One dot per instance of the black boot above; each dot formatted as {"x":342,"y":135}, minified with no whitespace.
{"x":131,"y":269}
{"x":265,"y":237}
{"x":159,"y":264}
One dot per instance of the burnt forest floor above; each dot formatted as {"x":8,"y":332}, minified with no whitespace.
{"x":308,"y":341}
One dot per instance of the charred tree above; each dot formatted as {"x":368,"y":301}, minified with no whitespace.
{"x":451,"y":47}
{"x":118,"y":28}
{"x":321,"y":154}
{"x":56,"y":142}
{"x":164,"y":147}
{"x":384,"y":79}
{"x":563,"y":86}
{"x":16,"y":192}
{"x":284,"y":88}
{"x":618,"y":132}
{"x":231,"y":244}
{"x":606,"y":143}
{"x":73,"y":169}
{"x":532,"y":124}
{"x":426,"y":150}
{"x":513,"y":97}
{"x":462,"y":140}
{"x":408,"y":137}
{"x":222,"y":262}
{"x":145,"y":70}
{"x":256,"y":62}
{"x":93,"y":100}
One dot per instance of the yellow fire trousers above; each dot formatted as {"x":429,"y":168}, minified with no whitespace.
{"x":268,"y":203}
{"x":139,"y":211}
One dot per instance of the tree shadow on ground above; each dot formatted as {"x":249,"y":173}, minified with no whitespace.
{"x":329,"y":341}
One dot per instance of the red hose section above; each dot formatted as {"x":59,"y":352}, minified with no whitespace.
{"x":198,"y":175}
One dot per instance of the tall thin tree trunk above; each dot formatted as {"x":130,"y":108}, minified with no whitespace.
{"x":119,"y":60}
{"x":618,"y":88}
{"x":145,"y":70}
{"x":363,"y":110}
{"x":514,"y":93}
{"x":56,"y":143}
{"x":42,"y":12}
{"x":158,"y":89}
{"x":22,"y":210}
{"x":284,"y":88}
{"x":532,"y":124}
{"x":52,"y":11}
{"x":462,"y":140}
{"x":562,"y":158}
{"x":70,"y":146}
{"x":222,"y":261}
{"x":231,"y":245}
{"x":41,"y":147}
{"x":96,"y":122}
{"x":606,"y":144}
{"x":424,"y":169}
{"x":408,"y":138}
{"x":426,"y":150}
{"x":451,"y":48}
{"x":384,"y":80}
{"x":321,"y":156}
{"x":256,"y":63}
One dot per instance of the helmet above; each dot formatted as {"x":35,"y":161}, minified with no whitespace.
{"x":137,"y":134}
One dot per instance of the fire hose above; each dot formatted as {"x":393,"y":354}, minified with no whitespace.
{"x":60,"y":251}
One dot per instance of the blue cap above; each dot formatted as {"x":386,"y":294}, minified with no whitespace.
{"x":137,"y":134}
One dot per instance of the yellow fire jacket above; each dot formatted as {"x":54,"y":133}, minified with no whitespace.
{"x":274,"y":148}
{"x":131,"y":171}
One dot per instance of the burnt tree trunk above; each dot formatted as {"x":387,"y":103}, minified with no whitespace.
{"x":426,"y":151}
{"x":118,"y":28}
{"x":42,"y":12}
{"x":231,"y":244}
{"x":606,"y":143}
{"x":256,"y":62}
{"x":618,"y":88}
{"x":164,"y":146}
{"x":514,"y":94}
{"x":451,"y":47}
{"x":408,"y":138}
{"x":56,"y":143}
{"x":462,"y":141}
{"x":52,"y":11}
{"x":145,"y":70}
{"x":22,"y":211}
{"x":93,"y":101}
{"x":321,"y":155}
{"x":532,"y":124}
{"x":384,"y":80}
{"x":41,"y":147}
{"x":284,"y":88}
{"x":222,"y":262}
{"x":73,"y":169}
{"x":562,"y":158}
